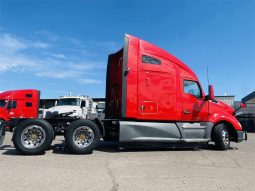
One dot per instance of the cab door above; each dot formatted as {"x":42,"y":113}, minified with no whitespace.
{"x":194,"y":107}
{"x":13,"y":109}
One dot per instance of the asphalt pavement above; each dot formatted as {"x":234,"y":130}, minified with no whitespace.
{"x":109,"y":168}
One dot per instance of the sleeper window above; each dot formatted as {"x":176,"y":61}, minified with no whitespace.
{"x":29,"y":104}
{"x":150,"y":60}
{"x":29,"y":95}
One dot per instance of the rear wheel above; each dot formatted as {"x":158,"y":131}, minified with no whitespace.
{"x":33,"y":136}
{"x":221,"y":137}
{"x":82,"y":136}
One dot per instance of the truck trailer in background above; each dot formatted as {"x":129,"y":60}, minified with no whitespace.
{"x":151,"y":97}
{"x":246,"y":116}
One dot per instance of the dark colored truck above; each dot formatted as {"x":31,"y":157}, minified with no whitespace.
{"x":151,"y":97}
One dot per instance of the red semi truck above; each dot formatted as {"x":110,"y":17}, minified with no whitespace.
{"x":19,"y":104}
{"x":151,"y":97}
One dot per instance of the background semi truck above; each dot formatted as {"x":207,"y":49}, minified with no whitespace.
{"x":19,"y":104}
{"x":151,"y":96}
{"x":75,"y":107}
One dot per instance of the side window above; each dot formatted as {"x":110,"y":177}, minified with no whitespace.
{"x":12,"y":105}
{"x":3,"y":103}
{"x":83,"y":103}
{"x":150,"y":60}
{"x":28,"y":95}
{"x":29,"y":104}
{"x":192,"y":87}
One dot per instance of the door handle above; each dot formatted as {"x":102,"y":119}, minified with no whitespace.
{"x":186,"y":112}
{"x":126,"y":72}
{"x":142,"y":107}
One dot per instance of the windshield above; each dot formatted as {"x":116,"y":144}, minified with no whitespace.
{"x":69,"y":101}
{"x":3,"y":103}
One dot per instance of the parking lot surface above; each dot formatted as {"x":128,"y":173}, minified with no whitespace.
{"x":110,"y":168}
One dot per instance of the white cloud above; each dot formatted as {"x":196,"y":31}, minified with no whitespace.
{"x":17,"y":63}
{"x":94,"y":66}
{"x":40,"y":45}
{"x":76,"y":42}
{"x":59,"y":74}
{"x":61,"y":56}
{"x":21,"y":55}
{"x":49,"y":35}
{"x":11,"y":43}
{"x":53,"y":38}
{"x":106,"y":45}
{"x":89,"y":81}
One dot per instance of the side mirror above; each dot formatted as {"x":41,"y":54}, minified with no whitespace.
{"x":8,"y":108}
{"x":10,"y":105}
{"x":243,"y":105}
{"x":211,"y":92}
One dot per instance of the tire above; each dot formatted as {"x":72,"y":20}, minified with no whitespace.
{"x":82,"y":136}
{"x":221,"y":137}
{"x":33,"y":136}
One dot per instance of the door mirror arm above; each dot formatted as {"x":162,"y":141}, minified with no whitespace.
{"x":207,"y":98}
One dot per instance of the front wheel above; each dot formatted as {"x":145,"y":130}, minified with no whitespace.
{"x":221,"y":137}
{"x":82,"y":136}
{"x":33,"y":136}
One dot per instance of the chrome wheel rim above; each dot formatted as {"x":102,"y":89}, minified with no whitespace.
{"x":225,"y":137}
{"x":83,"y":136}
{"x":33,"y":136}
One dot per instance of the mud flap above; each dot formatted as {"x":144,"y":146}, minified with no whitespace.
{"x":2,"y":133}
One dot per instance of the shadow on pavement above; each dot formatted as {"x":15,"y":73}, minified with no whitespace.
{"x":115,"y":147}
{"x":9,"y":150}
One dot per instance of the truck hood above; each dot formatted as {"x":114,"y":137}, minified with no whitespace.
{"x":221,"y":106}
{"x":63,"y":109}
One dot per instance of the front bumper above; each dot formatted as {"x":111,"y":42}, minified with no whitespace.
{"x":241,"y":136}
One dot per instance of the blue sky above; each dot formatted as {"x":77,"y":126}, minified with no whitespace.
{"x":61,"y":46}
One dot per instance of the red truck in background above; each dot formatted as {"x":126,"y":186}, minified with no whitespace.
{"x":19,"y":104}
{"x":151,"y":97}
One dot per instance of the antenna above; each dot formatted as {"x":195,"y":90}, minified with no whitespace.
{"x":12,"y":99}
{"x":207,"y":72}
{"x":208,"y":81}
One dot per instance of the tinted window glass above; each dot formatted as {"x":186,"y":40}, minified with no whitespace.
{"x":12,"y":105}
{"x":29,"y":104}
{"x":29,"y":95}
{"x":83,"y":104}
{"x":69,"y":101}
{"x":3,"y":103}
{"x":192,"y":87}
{"x":150,"y":60}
